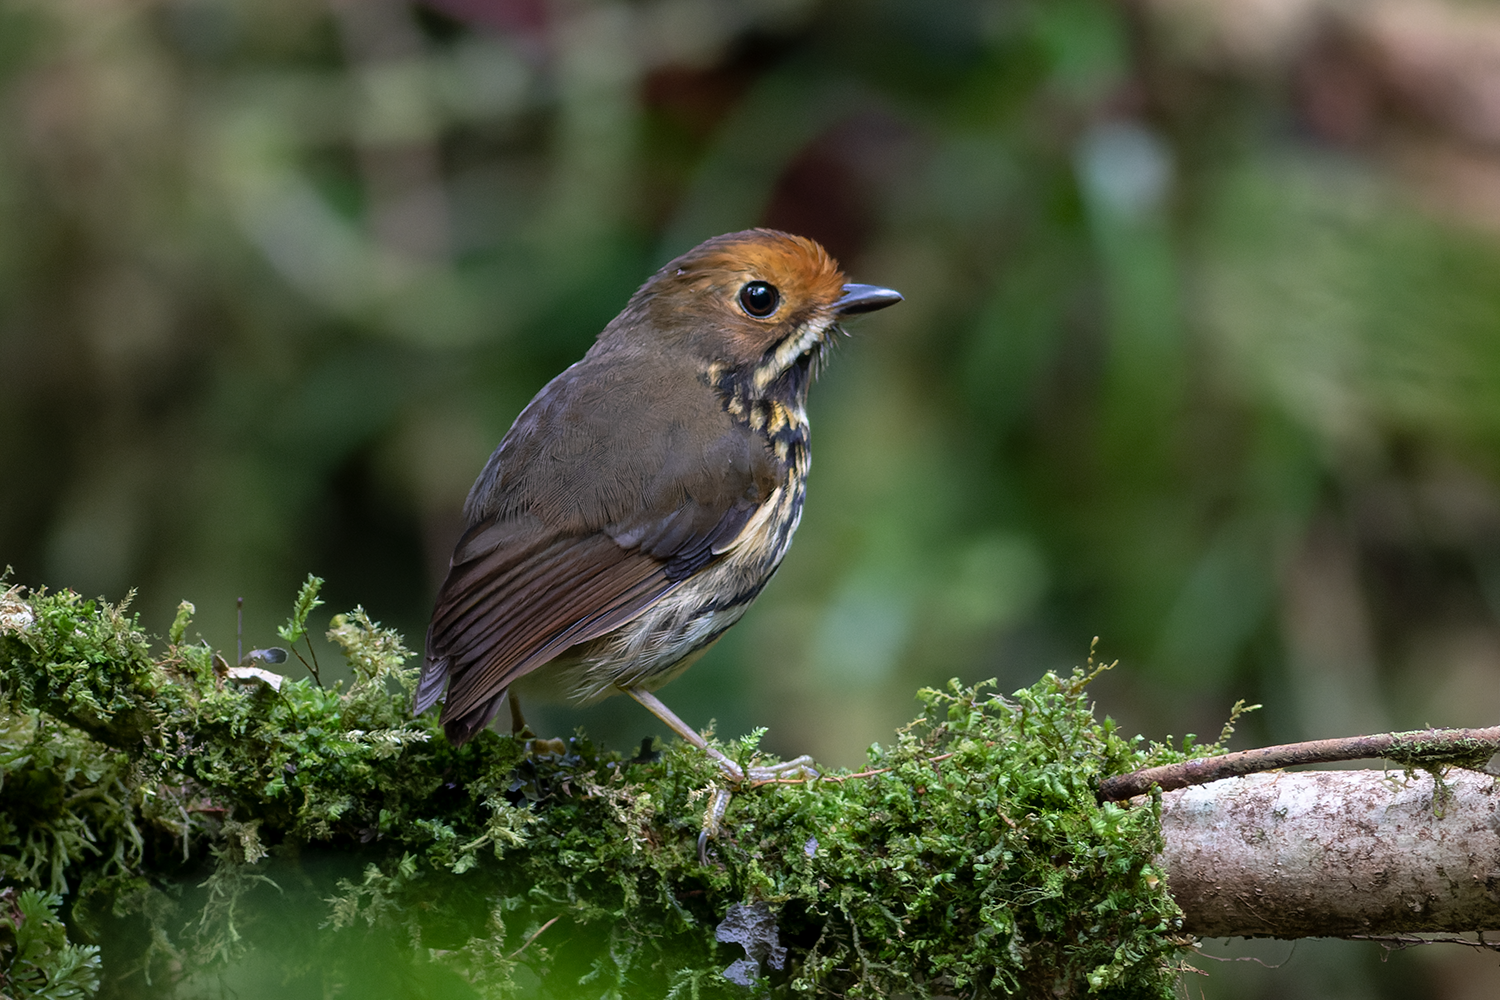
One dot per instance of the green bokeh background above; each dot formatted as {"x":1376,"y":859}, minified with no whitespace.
{"x":1175,"y":367}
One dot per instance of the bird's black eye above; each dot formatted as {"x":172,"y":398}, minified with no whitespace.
{"x":759,"y":299}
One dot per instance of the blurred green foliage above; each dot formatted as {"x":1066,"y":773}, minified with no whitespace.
{"x":1174,"y":368}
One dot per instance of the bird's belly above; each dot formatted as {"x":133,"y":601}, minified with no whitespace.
{"x":667,"y":637}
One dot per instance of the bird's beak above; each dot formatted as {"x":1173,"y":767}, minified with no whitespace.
{"x":865,"y":298}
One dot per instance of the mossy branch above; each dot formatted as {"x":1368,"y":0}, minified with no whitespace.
{"x":325,"y":827}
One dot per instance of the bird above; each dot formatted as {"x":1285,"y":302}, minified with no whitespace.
{"x":647,"y":494}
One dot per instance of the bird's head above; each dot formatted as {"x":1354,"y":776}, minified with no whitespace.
{"x":760,"y":302}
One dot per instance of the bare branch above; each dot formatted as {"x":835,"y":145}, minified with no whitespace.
{"x":1436,"y":747}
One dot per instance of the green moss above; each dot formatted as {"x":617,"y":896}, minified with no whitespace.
{"x":321,"y":839}
{"x":37,"y":962}
{"x":1419,"y":750}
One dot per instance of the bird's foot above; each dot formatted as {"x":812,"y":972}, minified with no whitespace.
{"x":798,"y":768}
{"x":735,"y":776}
{"x":719,"y":798}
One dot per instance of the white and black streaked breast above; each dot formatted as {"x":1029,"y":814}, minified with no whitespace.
{"x":664,"y":640}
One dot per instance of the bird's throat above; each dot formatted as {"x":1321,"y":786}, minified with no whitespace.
{"x":777,"y":411}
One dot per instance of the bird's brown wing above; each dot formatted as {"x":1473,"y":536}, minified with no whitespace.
{"x":518,"y":596}
{"x":515,"y":598}
{"x":600,"y":501}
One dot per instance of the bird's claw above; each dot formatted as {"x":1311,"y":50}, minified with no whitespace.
{"x":797,"y":767}
{"x":713,"y":819}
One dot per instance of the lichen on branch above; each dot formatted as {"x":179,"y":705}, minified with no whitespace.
{"x":324,"y":830}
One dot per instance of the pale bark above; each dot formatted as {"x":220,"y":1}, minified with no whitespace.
{"x":1335,"y":853}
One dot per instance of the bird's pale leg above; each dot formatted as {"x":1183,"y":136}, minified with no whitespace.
{"x":654,"y":705}
{"x":800,"y":767}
